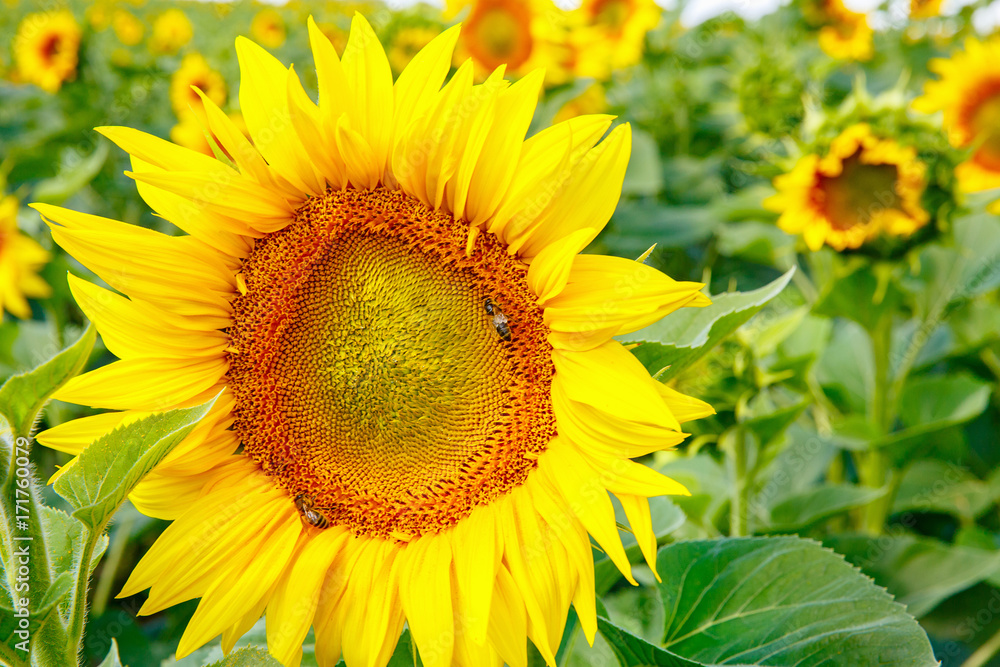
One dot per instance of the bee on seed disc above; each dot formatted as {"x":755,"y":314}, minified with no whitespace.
{"x":500,"y":322}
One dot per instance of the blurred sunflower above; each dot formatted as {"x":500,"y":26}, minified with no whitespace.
{"x":590,"y":101}
{"x":127,"y":27}
{"x":195,"y":72}
{"x":268,"y":28}
{"x":612,"y":34}
{"x":925,"y":9}
{"x":190,"y":132}
{"x":407,"y":42}
{"x":172,"y":30}
{"x":968,"y":94}
{"x":843,"y":33}
{"x":20,"y":260}
{"x":46,"y":48}
{"x":524,"y":35}
{"x":422,"y":404}
{"x":863,"y":187}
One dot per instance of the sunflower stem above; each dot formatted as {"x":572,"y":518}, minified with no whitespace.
{"x":738,"y":462}
{"x":78,"y":603}
{"x":874,"y":467}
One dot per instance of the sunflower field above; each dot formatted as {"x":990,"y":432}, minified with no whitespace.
{"x":500,"y":333}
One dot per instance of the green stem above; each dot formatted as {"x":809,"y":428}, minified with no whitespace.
{"x":78,"y":603}
{"x":984,"y":652}
{"x":874,"y":466}
{"x":738,"y":500}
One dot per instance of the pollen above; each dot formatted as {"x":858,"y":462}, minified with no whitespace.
{"x":372,"y":379}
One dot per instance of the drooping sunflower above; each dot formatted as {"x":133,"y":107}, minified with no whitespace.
{"x":46,"y":49}
{"x":968,"y":94}
{"x":268,"y":28}
{"x":611,"y":34}
{"x":522,"y":35}
{"x":171,"y":31}
{"x":864,"y":186}
{"x":422,"y":405}
{"x":195,"y":72}
{"x":20,"y":260}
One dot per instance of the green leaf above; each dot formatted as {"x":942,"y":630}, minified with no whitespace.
{"x":64,"y":537}
{"x":804,"y":509}
{"x":112,"y":659}
{"x":406,"y":654}
{"x":938,"y":486}
{"x":247,"y":657}
{"x":13,"y":633}
{"x":644,"y":175}
{"x":781,"y":601}
{"x":75,"y":173}
{"x":921,"y":572}
{"x":678,"y":340}
{"x":110,"y":467}
{"x":23,"y":396}
{"x":860,"y":297}
{"x":633,"y":651}
{"x":768,"y":427}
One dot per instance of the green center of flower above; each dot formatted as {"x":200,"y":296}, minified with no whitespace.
{"x":370,"y":379}
{"x":859,"y":193}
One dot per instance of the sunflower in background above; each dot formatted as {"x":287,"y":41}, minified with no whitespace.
{"x":20,"y":260}
{"x":194,"y":73}
{"x":611,"y":34}
{"x":524,"y":35}
{"x":127,"y":27}
{"x":968,"y":94}
{"x":863,"y":187}
{"x":590,"y":101}
{"x":406,"y":42}
{"x":46,"y":49}
{"x":172,"y":30}
{"x":925,"y":9}
{"x":268,"y":28}
{"x":421,"y":405}
{"x":844,"y":34}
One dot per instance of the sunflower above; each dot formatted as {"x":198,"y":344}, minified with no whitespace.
{"x":20,"y":260}
{"x":172,"y":30}
{"x":46,"y":47}
{"x":590,"y":101}
{"x":407,"y":42}
{"x":421,"y":406}
{"x":968,"y":93}
{"x":268,"y":28}
{"x":864,"y":186}
{"x":843,"y":33}
{"x":127,"y":27}
{"x":523,"y":35}
{"x":613,"y":32}
{"x":195,"y":72}
{"x":925,"y":9}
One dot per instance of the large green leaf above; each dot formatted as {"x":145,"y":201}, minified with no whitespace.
{"x":23,"y":396}
{"x":633,"y":651}
{"x":806,"y":508}
{"x":678,"y":340}
{"x":938,"y":486}
{"x":781,"y":601}
{"x":110,"y":467}
{"x":921,"y":572}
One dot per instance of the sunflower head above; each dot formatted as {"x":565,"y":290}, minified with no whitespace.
{"x":268,"y":28}
{"x":968,"y":94}
{"x":172,"y":30}
{"x":611,"y":34}
{"x":20,"y":260}
{"x":864,"y":186}
{"x":46,"y":48}
{"x":422,"y":407}
{"x":127,"y":27}
{"x":195,"y":72}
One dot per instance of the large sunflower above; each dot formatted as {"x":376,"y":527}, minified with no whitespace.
{"x":422,"y":406}
{"x":864,"y":186}
{"x":968,"y":93}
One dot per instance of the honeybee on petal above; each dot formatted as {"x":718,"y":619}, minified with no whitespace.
{"x":306,"y":506}
{"x":500,"y":322}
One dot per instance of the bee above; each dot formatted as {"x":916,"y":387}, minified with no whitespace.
{"x":306,"y":506}
{"x":500,"y":322}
